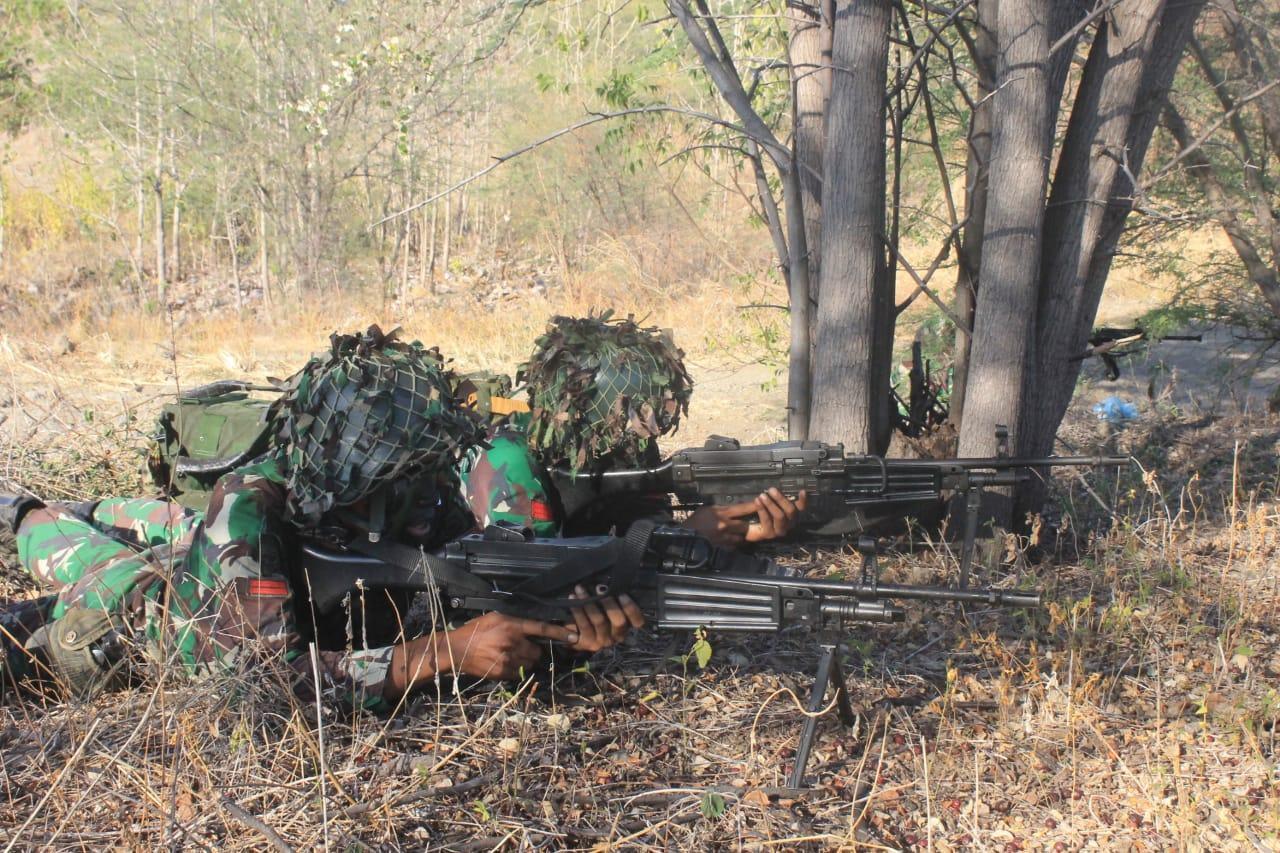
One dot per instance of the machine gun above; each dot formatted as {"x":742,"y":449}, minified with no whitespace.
{"x":677,"y":578}
{"x":1110,"y":344}
{"x":842,"y":490}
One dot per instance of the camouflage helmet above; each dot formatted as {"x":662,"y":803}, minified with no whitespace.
{"x":371,"y":410}
{"x":602,"y":387}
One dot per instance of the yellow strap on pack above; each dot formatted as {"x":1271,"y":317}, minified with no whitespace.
{"x":499,"y":405}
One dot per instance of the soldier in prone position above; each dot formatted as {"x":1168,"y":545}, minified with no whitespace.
{"x":601,"y":392}
{"x":216,"y":591}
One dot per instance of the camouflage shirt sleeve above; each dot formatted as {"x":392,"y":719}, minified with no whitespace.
{"x":232,"y":600}
{"x":506,"y":484}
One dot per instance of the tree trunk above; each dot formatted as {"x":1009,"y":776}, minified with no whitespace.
{"x":233,"y":243}
{"x":799,"y":382}
{"x":1004,"y":323}
{"x":855,"y":315}
{"x":175,"y":244}
{"x":448,"y":210}
{"x":158,"y":187}
{"x":424,"y":255}
{"x":161,"y":282}
{"x":1259,"y":62}
{"x":1121,"y":92}
{"x":810,"y":57}
{"x":977,"y":183}
{"x":263,"y":270}
{"x":431,"y":253}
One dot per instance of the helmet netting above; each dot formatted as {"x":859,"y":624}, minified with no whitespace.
{"x":373,"y":410}
{"x":600,"y":387}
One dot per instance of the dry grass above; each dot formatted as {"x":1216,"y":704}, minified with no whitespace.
{"x":1138,"y":711}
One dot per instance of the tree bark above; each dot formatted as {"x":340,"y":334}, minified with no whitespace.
{"x":264,"y":275}
{"x":810,"y":57}
{"x":855,"y":315}
{"x":1121,"y":92}
{"x":1004,"y":323}
{"x":977,"y":183}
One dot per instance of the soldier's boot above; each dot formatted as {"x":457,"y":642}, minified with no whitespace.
{"x":82,"y":651}
{"x":14,"y":507}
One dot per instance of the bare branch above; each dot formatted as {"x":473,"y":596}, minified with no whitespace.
{"x":1070,"y":35}
{"x":924,"y":287}
{"x":593,"y":118}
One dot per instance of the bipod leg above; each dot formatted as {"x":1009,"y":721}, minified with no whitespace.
{"x":972,"y":506}
{"x":828,"y":668}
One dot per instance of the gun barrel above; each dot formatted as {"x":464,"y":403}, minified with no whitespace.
{"x":998,"y":597}
{"x":862,"y":611}
{"x":1018,"y":462}
{"x":832,"y":589}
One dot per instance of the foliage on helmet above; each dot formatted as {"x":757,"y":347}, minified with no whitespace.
{"x":370,"y":410}
{"x":602,"y":387}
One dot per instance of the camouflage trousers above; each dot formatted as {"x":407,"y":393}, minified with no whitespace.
{"x":114,"y":561}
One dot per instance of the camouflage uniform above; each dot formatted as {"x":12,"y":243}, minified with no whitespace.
{"x":506,"y":484}
{"x":370,"y":425}
{"x":212,"y":591}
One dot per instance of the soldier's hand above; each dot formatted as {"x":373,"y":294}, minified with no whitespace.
{"x":776,"y":514}
{"x":730,"y":526}
{"x":604,"y":623}
{"x":722,"y":526}
{"x":497,"y":646}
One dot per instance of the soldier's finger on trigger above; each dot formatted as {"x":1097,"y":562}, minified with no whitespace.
{"x":593,"y":612}
{"x":617,"y":619}
{"x":634,"y":614}
{"x":785,"y":504}
{"x":597,"y":617}
{"x":581,"y":623}
{"x":785,"y":509}
{"x":533,"y":628}
{"x":764,"y":515}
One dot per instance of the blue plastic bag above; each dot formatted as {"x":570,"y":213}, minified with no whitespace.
{"x":1113,"y":410}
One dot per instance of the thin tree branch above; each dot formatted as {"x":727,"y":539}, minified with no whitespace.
{"x":1208,"y":133}
{"x":593,"y":118}
{"x":1070,"y":35}
{"x":922,"y":285}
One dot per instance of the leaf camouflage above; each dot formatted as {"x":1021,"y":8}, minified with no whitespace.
{"x":603,"y":389}
{"x":372,"y":409}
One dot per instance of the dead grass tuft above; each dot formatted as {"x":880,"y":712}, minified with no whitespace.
{"x":1139,"y":710}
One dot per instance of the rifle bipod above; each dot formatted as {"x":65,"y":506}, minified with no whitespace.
{"x":829,"y":668}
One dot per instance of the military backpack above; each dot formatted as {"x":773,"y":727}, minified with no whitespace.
{"x":205,"y":433}
{"x":218,"y":427}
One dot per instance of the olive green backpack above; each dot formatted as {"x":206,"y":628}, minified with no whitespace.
{"x":205,"y":433}
{"x":215,"y":428}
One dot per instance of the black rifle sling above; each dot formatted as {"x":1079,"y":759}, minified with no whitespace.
{"x":455,"y":580}
{"x":619,"y":560}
